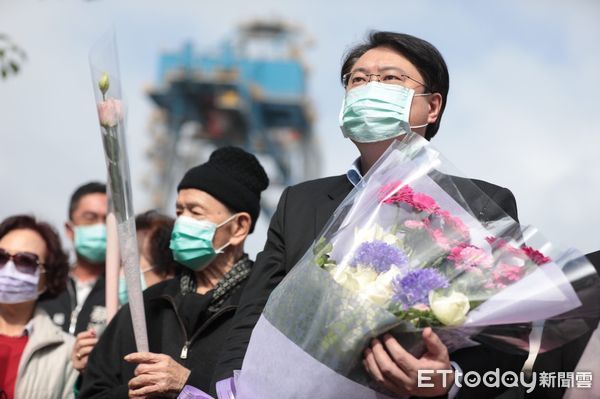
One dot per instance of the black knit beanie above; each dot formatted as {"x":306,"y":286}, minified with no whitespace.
{"x":233,"y":176}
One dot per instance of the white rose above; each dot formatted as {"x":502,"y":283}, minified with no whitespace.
{"x":390,"y":239}
{"x":345,"y":278}
{"x":364,"y":276}
{"x":379,"y":292}
{"x":365,"y":235}
{"x":387,"y":277}
{"x":450,"y":310}
{"x":374,"y":233}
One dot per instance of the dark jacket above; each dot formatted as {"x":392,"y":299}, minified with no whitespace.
{"x":301,"y":213}
{"x":189,"y":328}
{"x":563,"y":359}
{"x":64,"y":313}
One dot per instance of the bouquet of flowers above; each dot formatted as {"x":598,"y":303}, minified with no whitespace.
{"x":404,"y":251}
{"x":111,"y":115}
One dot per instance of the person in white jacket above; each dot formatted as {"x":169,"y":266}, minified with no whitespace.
{"x":34,"y":353}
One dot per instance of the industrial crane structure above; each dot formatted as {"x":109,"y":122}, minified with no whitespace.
{"x":250,"y":92}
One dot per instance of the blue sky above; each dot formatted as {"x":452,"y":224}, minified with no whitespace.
{"x":521,"y":110}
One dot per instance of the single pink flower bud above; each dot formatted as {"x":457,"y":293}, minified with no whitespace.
{"x":110,"y":112}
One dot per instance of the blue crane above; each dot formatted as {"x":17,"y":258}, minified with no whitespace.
{"x":251,"y":92}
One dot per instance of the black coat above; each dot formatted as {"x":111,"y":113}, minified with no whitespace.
{"x":62,"y":309}
{"x":564,"y":358}
{"x":174,"y":322}
{"x":301,"y":213}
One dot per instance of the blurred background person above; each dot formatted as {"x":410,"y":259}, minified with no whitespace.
{"x":156,"y":260}
{"x":34,"y":353}
{"x":82,"y":303}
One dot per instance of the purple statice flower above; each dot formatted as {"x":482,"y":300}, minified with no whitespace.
{"x":414,"y":287}
{"x":379,"y":256}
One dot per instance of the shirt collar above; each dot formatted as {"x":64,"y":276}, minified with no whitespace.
{"x":28,"y":329}
{"x":353,"y":174}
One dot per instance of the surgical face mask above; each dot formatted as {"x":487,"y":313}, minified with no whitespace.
{"x":376,"y":112}
{"x":191,"y":242}
{"x":90,"y":242}
{"x":123,"y":296}
{"x":17,"y":287}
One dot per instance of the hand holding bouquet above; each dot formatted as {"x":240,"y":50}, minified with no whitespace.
{"x":413,"y":245}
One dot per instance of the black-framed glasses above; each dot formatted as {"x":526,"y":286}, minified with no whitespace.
{"x":25,"y":262}
{"x":358,"y":78}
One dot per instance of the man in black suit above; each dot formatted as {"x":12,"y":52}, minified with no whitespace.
{"x":394,"y":82}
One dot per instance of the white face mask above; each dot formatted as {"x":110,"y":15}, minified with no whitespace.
{"x":17,"y":287}
{"x":376,"y":112}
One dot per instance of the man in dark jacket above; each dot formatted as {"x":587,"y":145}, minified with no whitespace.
{"x":188,"y":317}
{"x":581,"y":355}
{"x":394,"y":83}
{"x":82,"y":305}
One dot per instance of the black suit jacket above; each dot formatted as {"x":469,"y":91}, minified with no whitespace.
{"x":301,"y":214}
{"x":562,"y":359}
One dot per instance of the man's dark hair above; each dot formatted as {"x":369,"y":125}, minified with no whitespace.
{"x":56,"y":263}
{"x":422,"y":54}
{"x":86,"y":189}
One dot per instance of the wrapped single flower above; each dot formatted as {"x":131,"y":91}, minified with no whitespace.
{"x":111,"y":110}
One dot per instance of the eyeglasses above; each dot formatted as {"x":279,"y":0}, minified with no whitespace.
{"x":354,"y":79}
{"x":25,"y":262}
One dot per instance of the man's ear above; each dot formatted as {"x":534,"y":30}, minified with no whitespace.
{"x":240,"y":228}
{"x":435,"y":106}
{"x":69,"y":231}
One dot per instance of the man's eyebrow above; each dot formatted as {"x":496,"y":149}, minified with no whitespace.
{"x":384,"y":68}
{"x":190,"y":204}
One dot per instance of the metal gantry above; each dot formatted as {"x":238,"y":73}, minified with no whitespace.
{"x":251,"y":93}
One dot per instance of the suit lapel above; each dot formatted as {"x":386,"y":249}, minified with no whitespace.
{"x":326,"y":208}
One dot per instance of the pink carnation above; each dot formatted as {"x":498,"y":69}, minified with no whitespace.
{"x":470,"y":258}
{"x":437,"y":235}
{"x":423,"y":202}
{"x":500,"y":244}
{"x":506,"y":274}
{"x":414,"y":224}
{"x":393,"y":193}
{"x":454,"y":224}
{"x":536,"y":256}
{"x":110,"y":112}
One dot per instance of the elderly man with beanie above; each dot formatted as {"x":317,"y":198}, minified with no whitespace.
{"x":188,"y":317}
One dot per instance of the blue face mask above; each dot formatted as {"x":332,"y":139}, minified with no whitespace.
{"x":376,"y":112}
{"x":123,"y":296}
{"x":90,"y":242}
{"x":191,"y":242}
